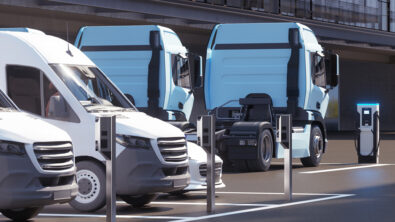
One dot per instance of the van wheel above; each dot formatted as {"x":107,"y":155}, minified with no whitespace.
{"x":265,"y":152}
{"x":140,"y":200}
{"x":316,"y":148}
{"x":91,"y":187}
{"x":22,"y":214}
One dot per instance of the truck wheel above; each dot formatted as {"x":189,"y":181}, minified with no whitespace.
{"x":265,"y":152}
{"x":316,"y":148}
{"x":140,"y":200}
{"x":22,"y":214}
{"x":91,"y":187}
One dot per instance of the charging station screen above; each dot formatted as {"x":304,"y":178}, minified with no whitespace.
{"x":366,"y":112}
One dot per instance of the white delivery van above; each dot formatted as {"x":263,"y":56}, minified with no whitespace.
{"x":52,"y":79}
{"x":36,"y":162}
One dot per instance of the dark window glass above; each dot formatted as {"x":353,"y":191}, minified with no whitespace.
{"x":180,"y":71}
{"x":32,"y":91}
{"x":318,"y":70}
{"x":23,"y":85}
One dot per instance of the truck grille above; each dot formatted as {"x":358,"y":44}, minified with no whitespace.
{"x":54,"y":155}
{"x":217,"y":171}
{"x":173,"y":149}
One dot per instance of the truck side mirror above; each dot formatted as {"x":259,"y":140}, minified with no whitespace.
{"x":332,"y":69}
{"x":130,"y":98}
{"x":196,"y":69}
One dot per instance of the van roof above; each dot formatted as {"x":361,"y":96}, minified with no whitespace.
{"x":52,"y":49}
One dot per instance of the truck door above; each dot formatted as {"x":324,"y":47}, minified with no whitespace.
{"x":319,"y":98}
{"x":181,"y":96}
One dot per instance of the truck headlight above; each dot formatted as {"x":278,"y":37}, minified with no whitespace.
{"x":13,"y":148}
{"x":133,"y":142}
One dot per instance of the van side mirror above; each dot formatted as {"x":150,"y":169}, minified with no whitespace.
{"x":332,"y":69}
{"x":130,"y":98}
{"x":196,"y":70}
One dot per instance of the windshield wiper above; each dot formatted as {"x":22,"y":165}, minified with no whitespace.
{"x":93,"y":100}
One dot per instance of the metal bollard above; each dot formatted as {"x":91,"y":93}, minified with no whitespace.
{"x":107,"y":148}
{"x":284,"y":137}
{"x":206,"y":139}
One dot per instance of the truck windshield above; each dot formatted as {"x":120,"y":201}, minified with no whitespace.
{"x":180,"y":71}
{"x":5,"y":103}
{"x":91,"y":87}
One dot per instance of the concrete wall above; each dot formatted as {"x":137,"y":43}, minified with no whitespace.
{"x":362,"y":82}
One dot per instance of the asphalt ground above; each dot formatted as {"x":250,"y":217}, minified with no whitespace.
{"x":339,"y":189}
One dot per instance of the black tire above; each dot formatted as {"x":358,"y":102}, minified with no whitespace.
{"x":367,"y":159}
{"x":316,"y":147}
{"x":22,"y":214}
{"x":140,"y":200}
{"x":265,"y":152}
{"x":91,"y":179}
{"x":178,"y":192}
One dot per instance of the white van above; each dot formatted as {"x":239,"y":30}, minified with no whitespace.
{"x":36,"y":162}
{"x":50,"y":78}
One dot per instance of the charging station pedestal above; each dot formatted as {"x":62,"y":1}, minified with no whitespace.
{"x":369,"y":133}
{"x":107,"y":147}
{"x":284,"y":137}
{"x":206,"y":139}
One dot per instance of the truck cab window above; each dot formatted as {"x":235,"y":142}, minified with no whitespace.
{"x":318,"y":70}
{"x":32,"y":91}
{"x":180,"y":71}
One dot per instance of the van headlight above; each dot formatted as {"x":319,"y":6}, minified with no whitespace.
{"x":12,"y":148}
{"x":133,"y":141}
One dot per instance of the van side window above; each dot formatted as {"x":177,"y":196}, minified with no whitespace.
{"x":32,"y":91}
{"x":318,"y":73}
{"x":180,"y":71}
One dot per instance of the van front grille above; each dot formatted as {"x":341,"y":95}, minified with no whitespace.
{"x":217,"y":171}
{"x":173,"y":149}
{"x":54,"y":155}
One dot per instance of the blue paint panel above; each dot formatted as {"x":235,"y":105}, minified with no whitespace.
{"x":233,"y":74}
{"x":128,"y":70}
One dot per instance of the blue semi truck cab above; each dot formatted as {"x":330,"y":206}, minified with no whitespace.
{"x":149,"y":64}
{"x":257,"y":71}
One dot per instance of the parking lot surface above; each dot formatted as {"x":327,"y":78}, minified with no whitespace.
{"x":338,"y":190}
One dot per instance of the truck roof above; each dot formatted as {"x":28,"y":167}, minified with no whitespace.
{"x":131,"y":35}
{"x":50,"y":48}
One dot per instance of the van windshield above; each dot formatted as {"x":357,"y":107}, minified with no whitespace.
{"x":92,"y":88}
{"x":6,"y":104}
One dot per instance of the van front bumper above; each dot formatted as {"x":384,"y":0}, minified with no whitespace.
{"x":21,"y":185}
{"x":139,"y":171}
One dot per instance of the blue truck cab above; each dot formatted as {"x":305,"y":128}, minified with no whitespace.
{"x":148,"y":63}
{"x":256,"y":71}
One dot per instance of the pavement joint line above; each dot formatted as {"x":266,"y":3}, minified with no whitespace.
{"x":344,"y":168}
{"x":264,"y":208}
{"x":273,"y":193}
{"x":118,"y":216}
{"x":204,"y":204}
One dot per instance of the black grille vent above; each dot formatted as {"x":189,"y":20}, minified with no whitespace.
{"x":54,"y":155}
{"x":173,"y":149}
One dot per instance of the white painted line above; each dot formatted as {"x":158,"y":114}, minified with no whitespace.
{"x":269,"y":193}
{"x":204,"y":204}
{"x":264,"y":208}
{"x":344,"y":168}
{"x":118,"y":216}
